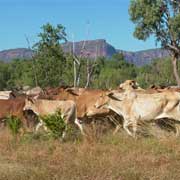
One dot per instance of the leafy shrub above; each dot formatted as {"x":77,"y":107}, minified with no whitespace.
{"x":55,"y":123}
{"x":14,"y":124}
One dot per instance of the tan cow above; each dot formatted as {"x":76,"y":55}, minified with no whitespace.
{"x":135,"y":106}
{"x":85,"y":100}
{"x":133,"y":85}
{"x":130,"y":85}
{"x":46,"y":107}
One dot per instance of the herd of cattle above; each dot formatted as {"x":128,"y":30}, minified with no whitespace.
{"x":77,"y":105}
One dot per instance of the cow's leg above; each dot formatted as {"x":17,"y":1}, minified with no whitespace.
{"x":171,"y":105}
{"x":125,"y":126}
{"x":45,"y":127}
{"x":64,"y":133}
{"x":39,"y":125}
{"x":134,"y":123}
{"x":116,"y":123}
{"x":80,"y":126}
{"x":177,"y":130}
{"x":116,"y":129}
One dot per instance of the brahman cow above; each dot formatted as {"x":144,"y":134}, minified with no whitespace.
{"x":85,"y":100}
{"x":130,"y":85}
{"x":135,"y":106}
{"x":46,"y":107}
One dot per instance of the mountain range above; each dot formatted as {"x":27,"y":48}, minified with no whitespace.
{"x":92,"y":49}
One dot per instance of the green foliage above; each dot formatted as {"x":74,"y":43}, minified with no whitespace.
{"x":50,"y":38}
{"x":50,"y":61}
{"x":55,"y":123}
{"x":158,"y":73}
{"x":108,"y":73}
{"x":4,"y":75}
{"x":147,"y":16}
{"x":14,"y":124}
{"x":160,"y":18}
{"x":20,"y":74}
{"x":114,"y":71}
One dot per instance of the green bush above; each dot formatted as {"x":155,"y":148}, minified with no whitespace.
{"x":55,"y":123}
{"x":14,"y":124}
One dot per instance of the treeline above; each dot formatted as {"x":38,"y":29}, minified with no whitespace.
{"x":107,"y":73}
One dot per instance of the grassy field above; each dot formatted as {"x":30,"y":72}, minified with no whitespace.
{"x":109,"y":157}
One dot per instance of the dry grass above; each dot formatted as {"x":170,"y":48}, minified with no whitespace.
{"x":109,"y":157}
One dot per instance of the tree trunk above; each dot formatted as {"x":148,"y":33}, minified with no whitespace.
{"x":78,"y":75}
{"x":75,"y":74}
{"x":88,"y":74}
{"x":175,"y":69}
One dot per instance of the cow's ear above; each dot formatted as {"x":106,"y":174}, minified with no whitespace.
{"x":36,"y":97}
{"x":31,"y":100}
{"x":132,"y":82}
{"x":109,"y":94}
{"x":115,"y":97}
{"x":72,"y":91}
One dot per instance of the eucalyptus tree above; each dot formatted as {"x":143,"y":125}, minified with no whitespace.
{"x":161,"y":19}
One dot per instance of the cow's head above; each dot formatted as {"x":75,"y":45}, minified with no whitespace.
{"x":129,"y":84}
{"x":117,"y":95}
{"x":102,"y":101}
{"x":30,"y":104}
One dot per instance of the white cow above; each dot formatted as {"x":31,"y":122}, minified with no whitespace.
{"x":5,"y":94}
{"x":135,"y":106}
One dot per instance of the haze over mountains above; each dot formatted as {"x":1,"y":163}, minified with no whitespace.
{"x":92,"y":49}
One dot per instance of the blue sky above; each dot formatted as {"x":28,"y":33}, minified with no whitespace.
{"x":108,"y":19}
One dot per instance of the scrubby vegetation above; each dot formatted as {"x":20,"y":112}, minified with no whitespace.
{"x":55,"y":123}
{"x":109,"y":157}
{"x":14,"y":124}
{"x":109,"y":73}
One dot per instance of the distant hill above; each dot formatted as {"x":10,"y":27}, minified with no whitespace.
{"x":22,"y":53}
{"x":141,"y":58}
{"x":92,"y":49}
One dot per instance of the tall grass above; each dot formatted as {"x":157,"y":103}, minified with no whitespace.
{"x":14,"y":124}
{"x":108,"y":157}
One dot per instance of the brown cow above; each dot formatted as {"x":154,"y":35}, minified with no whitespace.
{"x":14,"y":107}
